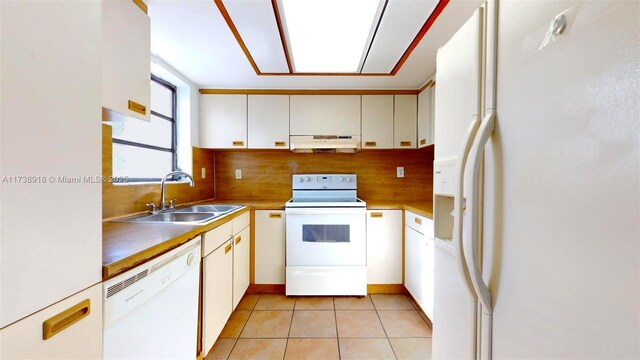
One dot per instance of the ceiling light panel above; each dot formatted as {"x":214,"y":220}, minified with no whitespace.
{"x":401,"y":22}
{"x":256,"y":23}
{"x":329,"y":36}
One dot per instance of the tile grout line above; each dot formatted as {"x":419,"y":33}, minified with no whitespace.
{"x":383,"y":328}
{"x":295,"y":301}
{"x":243,"y":326}
{"x":335,"y":316}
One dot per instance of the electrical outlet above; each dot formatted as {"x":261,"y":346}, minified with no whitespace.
{"x":238,"y":174}
{"x":400,"y":171}
{"x":204,"y":173}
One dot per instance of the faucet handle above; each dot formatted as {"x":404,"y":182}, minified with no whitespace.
{"x":171,"y":202}
{"x":153,"y":208}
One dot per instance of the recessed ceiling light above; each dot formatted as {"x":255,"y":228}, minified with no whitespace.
{"x":329,"y":35}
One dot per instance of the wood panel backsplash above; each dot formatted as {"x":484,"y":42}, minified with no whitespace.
{"x":118,"y":200}
{"x":267,"y":174}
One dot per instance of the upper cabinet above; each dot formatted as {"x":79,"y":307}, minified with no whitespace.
{"x":223,"y":121}
{"x":426,"y":119}
{"x":377,"y":121}
{"x":405,"y":121}
{"x":325,"y":114}
{"x":268,"y":121}
{"x":126,"y":60}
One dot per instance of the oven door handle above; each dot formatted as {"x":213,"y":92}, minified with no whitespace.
{"x":325,"y":211}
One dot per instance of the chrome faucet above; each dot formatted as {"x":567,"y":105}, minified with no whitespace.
{"x":164,"y":179}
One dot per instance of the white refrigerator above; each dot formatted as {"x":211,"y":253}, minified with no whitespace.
{"x":537,"y":183}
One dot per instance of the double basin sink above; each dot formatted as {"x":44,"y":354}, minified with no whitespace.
{"x":195,"y":214}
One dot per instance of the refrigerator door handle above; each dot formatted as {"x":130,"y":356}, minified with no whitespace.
{"x":471,"y":247}
{"x":458,"y":207}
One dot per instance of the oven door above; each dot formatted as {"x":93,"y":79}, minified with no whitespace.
{"x":326,"y":236}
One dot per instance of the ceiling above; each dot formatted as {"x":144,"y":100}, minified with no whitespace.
{"x":194,"y":38}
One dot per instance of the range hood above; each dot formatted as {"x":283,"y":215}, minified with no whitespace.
{"x":324,"y":143}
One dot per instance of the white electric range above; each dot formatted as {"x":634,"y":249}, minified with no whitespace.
{"x":326,"y":250}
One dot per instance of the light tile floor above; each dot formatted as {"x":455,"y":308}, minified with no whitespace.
{"x":268,"y":326}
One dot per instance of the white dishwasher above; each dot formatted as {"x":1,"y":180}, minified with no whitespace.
{"x":151,"y":311}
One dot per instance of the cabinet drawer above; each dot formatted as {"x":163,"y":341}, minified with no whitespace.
{"x":419,"y":223}
{"x":212,"y":240}
{"x":73,"y":326}
{"x":241,"y":222}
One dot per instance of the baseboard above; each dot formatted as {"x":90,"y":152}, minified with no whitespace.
{"x":386,"y":289}
{"x":371,"y":289}
{"x":266,"y":289}
{"x":422,"y":314}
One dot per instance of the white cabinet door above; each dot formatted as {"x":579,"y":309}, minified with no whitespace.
{"x":223,"y":121}
{"x":241,"y":253}
{"x":50,"y":119}
{"x":217,"y":288}
{"x":126,"y":68}
{"x":268,"y":121}
{"x":384,"y":246}
{"x":414,"y":255}
{"x":405,"y":118}
{"x":325,"y":114}
{"x":425,"y":120}
{"x":269,"y":247}
{"x":79,"y":319}
{"x":377,"y":121}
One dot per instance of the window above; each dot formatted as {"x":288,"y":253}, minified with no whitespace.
{"x":146,"y":151}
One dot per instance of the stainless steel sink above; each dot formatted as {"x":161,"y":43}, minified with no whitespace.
{"x":174,"y":217}
{"x":195,"y":214}
{"x":209,"y":209}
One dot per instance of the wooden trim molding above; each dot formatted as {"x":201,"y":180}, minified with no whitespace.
{"x":141,"y":4}
{"x":427,"y":85}
{"x":236,"y":34}
{"x":386,"y":289}
{"x":427,"y":25}
{"x":306,"y":92}
{"x":283,"y":39}
{"x":274,"y":4}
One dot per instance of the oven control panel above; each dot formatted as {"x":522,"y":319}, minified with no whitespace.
{"x":325,"y":181}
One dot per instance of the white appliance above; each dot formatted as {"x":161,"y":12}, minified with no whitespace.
{"x":326,"y":251}
{"x":537,"y":237}
{"x":324,"y":143}
{"x":151,"y":311}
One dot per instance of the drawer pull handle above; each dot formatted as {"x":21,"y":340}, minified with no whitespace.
{"x":423,"y":142}
{"x":275,"y":215}
{"x":63,"y":320}
{"x":238,"y":239}
{"x":281,"y":143}
{"x":418,"y":221}
{"x":370,"y":143}
{"x":376,"y":214}
{"x":238,"y":143}
{"x":137,"y":107}
{"x":405,"y":143}
{"x":227,"y":249}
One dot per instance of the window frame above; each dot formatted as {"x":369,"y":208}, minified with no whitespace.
{"x":174,"y":136}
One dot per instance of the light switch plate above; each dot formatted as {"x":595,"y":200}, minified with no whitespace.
{"x":238,"y":174}
{"x":204,"y":173}
{"x":400,"y":171}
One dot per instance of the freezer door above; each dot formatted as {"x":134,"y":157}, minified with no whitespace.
{"x":459,"y":65}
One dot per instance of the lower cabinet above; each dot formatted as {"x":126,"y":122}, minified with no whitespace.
{"x":217,"y":293}
{"x":73,"y":328}
{"x":225,"y":275}
{"x":269,"y":247}
{"x":241,"y":253}
{"x":419,"y":260}
{"x":384,"y":246}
